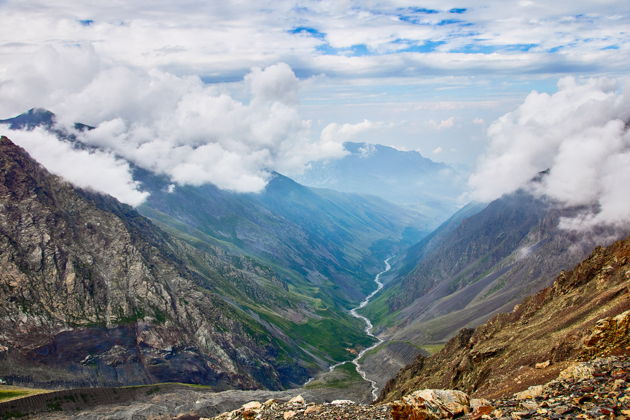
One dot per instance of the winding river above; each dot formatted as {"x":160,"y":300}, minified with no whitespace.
{"x":368,"y":331}
{"x":369,"y":327}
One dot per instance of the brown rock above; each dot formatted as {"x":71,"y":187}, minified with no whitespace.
{"x":289,"y":415}
{"x":431,"y":404}
{"x":298,"y":400}
{"x":542,"y":365}
{"x":312,"y":409}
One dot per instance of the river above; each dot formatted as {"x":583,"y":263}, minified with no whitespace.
{"x":368,"y":331}
{"x":369,"y":327}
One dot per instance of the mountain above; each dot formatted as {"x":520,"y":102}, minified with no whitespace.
{"x":334,"y":241}
{"x":291,"y":260}
{"x":92,"y":293}
{"x":34,"y":117}
{"x":316,"y":237}
{"x":403,"y":177}
{"x":472,"y":267}
{"x":584,"y":314}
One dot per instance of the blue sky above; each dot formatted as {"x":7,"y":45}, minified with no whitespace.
{"x":428,"y":76}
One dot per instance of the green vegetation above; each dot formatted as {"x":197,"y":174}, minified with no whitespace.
{"x":342,"y":377}
{"x":432,"y":348}
{"x":9,"y":392}
{"x":9,"y":395}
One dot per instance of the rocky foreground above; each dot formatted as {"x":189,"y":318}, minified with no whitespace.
{"x":587,"y":390}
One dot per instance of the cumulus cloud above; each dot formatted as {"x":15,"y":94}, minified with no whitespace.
{"x":580,"y":135}
{"x":336,"y":133}
{"x":443,"y":124}
{"x":97,"y":170}
{"x":438,"y":150}
{"x":173,"y":125}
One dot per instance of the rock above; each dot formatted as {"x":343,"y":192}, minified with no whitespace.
{"x":531,"y":392}
{"x":341,"y":402}
{"x":530,"y":404}
{"x":298,"y":400}
{"x":312,"y":409}
{"x":480,"y":407}
{"x":253,"y":405}
{"x":542,"y":365}
{"x":269,"y":402}
{"x":577,"y":371}
{"x":562,"y":409}
{"x":430,"y":404}
{"x":289,"y":415}
{"x":609,"y":333}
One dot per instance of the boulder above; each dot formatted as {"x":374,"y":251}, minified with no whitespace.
{"x":429,"y":404}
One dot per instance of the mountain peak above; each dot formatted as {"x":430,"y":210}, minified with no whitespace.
{"x":34,"y":117}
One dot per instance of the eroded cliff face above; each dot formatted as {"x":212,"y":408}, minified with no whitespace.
{"x":584,"y":314}
{"x":93,"y":293}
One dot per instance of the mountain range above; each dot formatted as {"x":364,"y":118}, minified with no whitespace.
{"x":286,"y":263}
{"x":403,"y":177}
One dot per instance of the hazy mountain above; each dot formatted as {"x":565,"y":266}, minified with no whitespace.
{"x":335,"y":241}
{"x":93,"y":293}
{"x":403,"y":177}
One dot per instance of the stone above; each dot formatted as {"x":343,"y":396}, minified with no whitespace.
{"x":480,"y":407}
{"x":252,"y":405}
{"x":577,"y":371}
{"x":269,"y":402}
{"x":530,"y":404}
{"x":531,"y":392}
{"x":542,"y":365}
{"x":342,"y":402}
{"x":289,"y":414}
{"x":562,"y":409}
{"x":312,"y":409}
{"x":431,"y":404}
{"x":298,"y":400}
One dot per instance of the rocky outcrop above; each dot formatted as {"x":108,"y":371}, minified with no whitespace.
{"x":92,"y":293}
{"x":584,"y":314}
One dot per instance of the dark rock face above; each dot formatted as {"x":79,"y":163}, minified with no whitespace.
{"x":582,"y":315}
{"x":93,"y":293}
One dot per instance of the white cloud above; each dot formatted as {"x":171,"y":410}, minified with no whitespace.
{"x":223,"y":41}
{"x":443,"y":124}
{"x":100,"y":171}
{"x":438,"y":150}
{"x":478,"y":121}
{"x":339,"y":133}
{"x":178,"y":126}
{"x":580,"y":135}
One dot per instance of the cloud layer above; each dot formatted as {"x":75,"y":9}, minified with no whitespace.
{"x":100,"y":171}
{"x":347,"y":38}
{"x":193,"y":132}
{"x":580,"y":134}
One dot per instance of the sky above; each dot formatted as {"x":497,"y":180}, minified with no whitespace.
{"x":225,"y":91}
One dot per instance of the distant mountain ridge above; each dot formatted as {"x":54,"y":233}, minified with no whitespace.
{"x":403,"y":177}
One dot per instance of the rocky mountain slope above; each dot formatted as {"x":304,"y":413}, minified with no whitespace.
{"x":584,"y":314}
{"x":403,"y":177}
{"x":477,"y":265}
{"x":92,"y":293}
{"x":334,"y":241}
{"x":562,"y":352}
